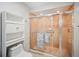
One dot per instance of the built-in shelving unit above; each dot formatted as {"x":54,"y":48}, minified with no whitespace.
{"x":12,"y":30}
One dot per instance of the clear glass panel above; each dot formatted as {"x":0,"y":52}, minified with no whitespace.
{"x":34,"y":23}
{"x":52,"y":37}
{"x":54,"y":41}
{"x":67,"y":34}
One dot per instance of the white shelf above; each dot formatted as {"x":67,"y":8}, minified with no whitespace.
{"x":12,"y":22}
{"x":14,"y":41}
{"x":13,"y":28}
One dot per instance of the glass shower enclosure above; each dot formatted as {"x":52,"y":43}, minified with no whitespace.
{"x":52,"y":34}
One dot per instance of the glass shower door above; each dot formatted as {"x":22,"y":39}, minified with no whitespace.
{"x":54,"y":37}
{"x":67,"y":31}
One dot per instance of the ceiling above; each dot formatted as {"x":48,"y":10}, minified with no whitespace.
{"x":37,"y":6}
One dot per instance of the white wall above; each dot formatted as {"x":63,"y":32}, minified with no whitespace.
{"x":0,"y":38}
{"x":18,"y":9}
{"x":76,"y":31}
